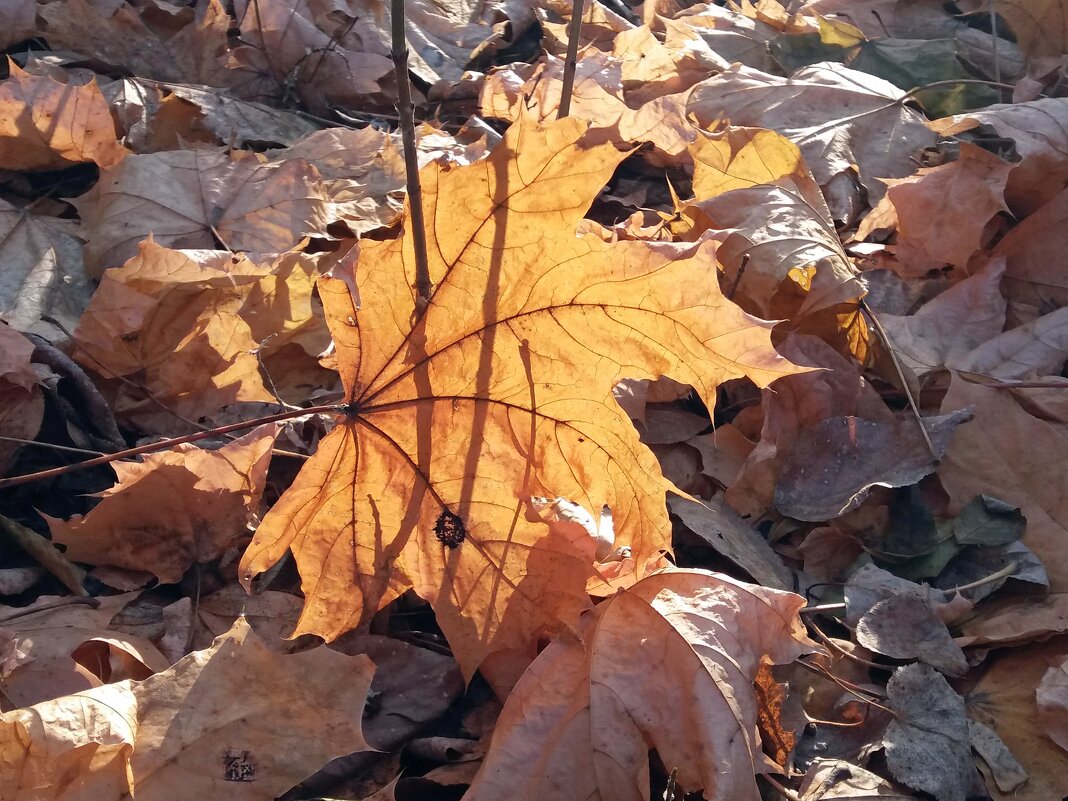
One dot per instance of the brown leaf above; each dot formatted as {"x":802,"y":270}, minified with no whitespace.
{"x":21,"y":401}
{"x":1052,"y":699}
{"x":906,"y":627}
{"x":1032,"y":249}
{"x":582,"y":720}
{"x":499,"y":392}
{"x":187,"y":325}
{"x":174,"y":509}
{"x":19,"y":22}
{"x":181,"y":728}
{"x":193,"y":198}
{"x":841,"y":119}
{"x":1040,"y":26}
{"x":47,"y":125}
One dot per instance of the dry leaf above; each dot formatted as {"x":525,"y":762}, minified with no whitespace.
{"x":500,"y":391}
{"x":1007,"y":772}
{"x":582,"y":720}
{"x":19,"y":22}
{"x":1052,"y":699}
{"x":47,"y":125}
{"x":1033,"y":283}
{"x":199,"y":199}
{"x":193,"y":326}
{"x":174,"y":509}
{"x":905,"y":627}
{"x":1040,"y":26}
{"x":181,"y":728}
{"x":21,"y":401}
{"x":841,"y":119}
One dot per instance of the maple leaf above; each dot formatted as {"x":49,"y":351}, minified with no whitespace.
{"x":181,"y":728}
{"x":48,"y":125}
{"x":582,"y":720}
{"x":174,"y":509}
{"x":500,"y":391}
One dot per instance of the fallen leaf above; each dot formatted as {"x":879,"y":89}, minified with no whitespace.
{"x":1039,"y":130}
{"x":836,"y":462}
{"x":472,"y":408}
{"x":19,"y":22}
{"x":752,"y":189}
{"x":927,"y":743}
{"x":1004,"y":699}
{"x":582,"y":720}
{"x":43,"y":272}
{"x":1033,"y":285}
{"x":47,"y":125}
{"x":181,"y":728}
{"x":1052,"y":700}
{"x":44,"y":553}
{"x":1040,"y":26}
{"x":194,"y":199}
{"x":841,"y":119}
{"x":1008,"y":773}
{"x":838,"y":780}
{"x":117,"y":34}
{"x":945,"y":330}
{"x":174,"y":509}
{"x":21,"y":400}
{"x":906,"y":627}
{"x":201,"y":329}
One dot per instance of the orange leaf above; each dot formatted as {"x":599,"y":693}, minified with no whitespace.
{"x":174,"y":509}
{"x":47,"y":125}
{"x":500,"y":391}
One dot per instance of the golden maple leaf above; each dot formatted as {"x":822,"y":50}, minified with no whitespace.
{"x":499,"y":391}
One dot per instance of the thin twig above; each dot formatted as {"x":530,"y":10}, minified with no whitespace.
{"x":406,"y":111}
{"x":901,"y":374}
{"x":820,"y":609}
{"x":14,"y":481}
{"x":781,"y":789}
{"x":1005,"y":572}
{"x":951,"y":82}
{"x":53,"y":446}
{"x":994,"y":36}
{"x":843,"y":652}
{"x":71,"y":601}
{"x":574,"y":29}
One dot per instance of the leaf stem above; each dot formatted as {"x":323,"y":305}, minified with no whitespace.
{"x":574,"y":28}
{"x":162,"y":445}
{"x":411,"y":158}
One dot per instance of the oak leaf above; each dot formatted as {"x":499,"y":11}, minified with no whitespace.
{"x":582,"y":720}
{"x":182,"y":729}
{"x":48,"y":125}
{"x":174,"y":509}
{"x":501,"y":390}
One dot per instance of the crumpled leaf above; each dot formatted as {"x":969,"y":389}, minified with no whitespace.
{"x":752,"y":188}
{"x":174,"y":509}
{"x":582,"y":720}
{"x":187,"y":324}
{"x":1039,"y":129}
{"x":841,"y":119}
{"x":47,"y":125}
{"x":193,"y":199}
{"x":836,"y":462}
{"x":927,"y":743}
{"x":458,"y":418}
{"x":192,"y":51}
{"x":1004,"y":699}
{"x":181,"y":728}
{"x":838,"y":780}
{"x":43,"y":272}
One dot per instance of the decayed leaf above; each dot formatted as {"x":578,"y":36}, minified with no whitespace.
{"x":115,"y":33}
{"x":927,"y":743}
{"x":182,"y":729}
{"x":837,"y":780}
{"x":193,"y":198}
{"x":905,"y":627}
{"x":21,"y":401}
{"x":942,"y":211}
{"x":1039,"y":129}
{"x":753,"y":189}
{"x":1007,"y":772}
{"x":945,"y":330}
{"x":500,"y":391}
{"x":1040,"y":26}
{"x":1004,"y":699}
{"x":1052,"y":699}
{"x":1007,"y":452}
{"x":42,"y":272}
{"x":174,"y":509}
{"x":1030,"y":351}
{"x":19,"y":22}
{"x":843,"y":120}
{"x":836,"y":462}
{"x":187,"y":325}
{"x":582,"y":720}
{"x":47,"y":125}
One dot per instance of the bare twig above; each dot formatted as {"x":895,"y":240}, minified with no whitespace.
{"x":406,"y":111}
{"x":77,"y":600}
{"x":13,"y":481}
{"x":52,"y":446}
{"x":1004,"y":573}
{"x":574,"y":29}
{"x":901,"y":374}
{"x":781,"y":789}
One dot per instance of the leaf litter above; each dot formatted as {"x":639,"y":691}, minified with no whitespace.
{"x":766,"y":247}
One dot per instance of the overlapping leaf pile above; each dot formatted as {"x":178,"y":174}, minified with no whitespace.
{"x":782,"y":297}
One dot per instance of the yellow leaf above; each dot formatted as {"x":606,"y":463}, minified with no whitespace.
{"x":501,"y":390}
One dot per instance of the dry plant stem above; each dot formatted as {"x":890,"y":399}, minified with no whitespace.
{"x":1005,"y":572}
{"x":781,"y":789}
{"x":571,"y":62}
{"x":411,"y":159}
{"x":842,"y":651}
{"x":901,"y":375}
{"x":78,"y":599}
{"x":52,"y":446}
{"x":821,"y":609}
{"x":14,"y":481}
